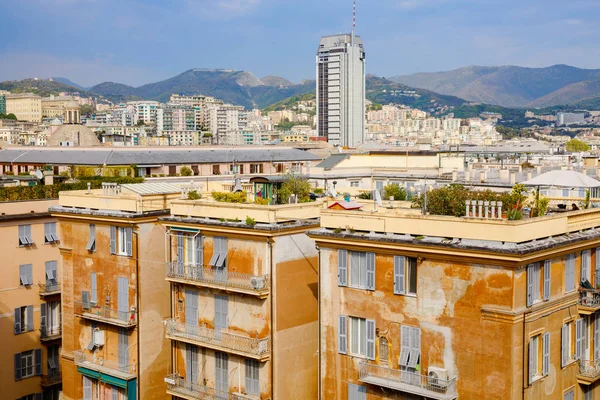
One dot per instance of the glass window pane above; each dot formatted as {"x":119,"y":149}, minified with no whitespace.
{"x":412,"y":275}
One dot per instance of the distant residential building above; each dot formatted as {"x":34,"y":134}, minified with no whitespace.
{"x":2,"y":103}
{"x":146,"y":110}
{"x":341,"y":90}
{"x":25,"y":106}
{"x":225,"y":119}
{"x":570,"y":118}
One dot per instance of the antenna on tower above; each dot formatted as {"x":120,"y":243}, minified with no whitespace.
{"x":353,"y":20}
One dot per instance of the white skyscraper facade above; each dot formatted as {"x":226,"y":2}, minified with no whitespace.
{"x":341,"y":90}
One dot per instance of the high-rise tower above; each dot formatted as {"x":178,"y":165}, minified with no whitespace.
{"x":341,"y":89}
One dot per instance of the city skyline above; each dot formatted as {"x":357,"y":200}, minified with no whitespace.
{"x":124,"y":48}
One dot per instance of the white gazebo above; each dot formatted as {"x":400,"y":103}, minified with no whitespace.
{"x":561,"y":178}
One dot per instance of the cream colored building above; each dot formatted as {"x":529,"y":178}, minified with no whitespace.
{"x":25,"y":106}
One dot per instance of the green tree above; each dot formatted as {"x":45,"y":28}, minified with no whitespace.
{"x":294,"y":185}
{"x":186,"y":171}
{"x":395,"y":190}
{"x":575,"y":145}
{"x":140,"y":122}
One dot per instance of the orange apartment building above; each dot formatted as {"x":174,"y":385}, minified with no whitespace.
{"x":30,"y":298}
{"x":244,"y":300}
{"x":436,"y":307}
{"x":115,"y":297}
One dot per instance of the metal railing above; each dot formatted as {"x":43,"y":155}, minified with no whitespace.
{"x":177,"y":384}
{"x":589,"y":297}
{"x":50,"y":332}
{"x":231,"y":341}
{"x":409,"y":382}
{"x":589,"y":368}
{"x":93,"y":360}
{"x":105,"y":313}
{"x":198,"y":273}
{"x":49,"y":288}
{"x":53,"y":377}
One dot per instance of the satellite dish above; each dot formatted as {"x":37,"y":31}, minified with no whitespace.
{"x":39,"y":174}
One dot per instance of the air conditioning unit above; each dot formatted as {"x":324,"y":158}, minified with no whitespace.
{"x":257,"y":283}
{"x":98,"y":337}
{"x":437,"y":377}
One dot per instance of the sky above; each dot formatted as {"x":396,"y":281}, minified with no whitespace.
{"x":142,"y":41}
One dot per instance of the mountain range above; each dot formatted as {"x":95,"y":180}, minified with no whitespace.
{"x":512,"y":86}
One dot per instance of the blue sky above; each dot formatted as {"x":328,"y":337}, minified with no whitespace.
{"x":142,"y":41}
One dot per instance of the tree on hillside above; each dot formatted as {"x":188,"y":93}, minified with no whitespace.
{"x":575,"y":145}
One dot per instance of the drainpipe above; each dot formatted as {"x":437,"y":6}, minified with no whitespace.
{"x":137,"y":305}
{"x":319,"y":322}
{"x":525,"y":348}
{"x":270,"y":243}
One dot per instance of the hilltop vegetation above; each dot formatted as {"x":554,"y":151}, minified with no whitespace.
{"x":41,"y":87}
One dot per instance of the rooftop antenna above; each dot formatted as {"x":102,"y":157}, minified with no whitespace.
{"x":353,"y":20}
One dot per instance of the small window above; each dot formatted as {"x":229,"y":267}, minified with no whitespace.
{"x":568,"y":344}
{"x":216,"y":169}
{"x":26,"y":274}
{"x":362,"y":270}
{"x":23,"y":319}
{"x":25,"y":238}
{"x":91,"y":244}
{"x":50,"y":235}
{"x":358,"y":336}
{"x":405,"y":275}
{"x":354,"y":184}
{"x":121,"y":241}
{"x":219,"y":257}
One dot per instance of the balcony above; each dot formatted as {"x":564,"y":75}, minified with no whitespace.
{"x":408,"y":382}
{"x":589,"y":372}
{"x":48,"y":333}
{"x":179,"y":387}
{"x":95,"y":312}
{"x":49,"y":288}
{"x":589,"y":301}
{"x":54,"y":377}
{"x":211,"y":278}
{"x":102,"y":366}
{"x":219,"y":340}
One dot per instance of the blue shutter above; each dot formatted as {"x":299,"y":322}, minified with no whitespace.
{"x":399,"y":265}
{"x":180,"y":254}
{"x":371,"y":271}
{"x":123,"y":300}
{"x":370,"y":339}
{"x":547,"y":276}
{"x":37,"y":359}
{"x":123,"y":344}
{"x":85,"y":300}
{"x":188,"y":362}
{"x":43,"y":316}
{"x":342,"y":335}
{"x":29,"y":318}
{"x":17,"y":366}
{"x":342,"y":268}
{"x":113,"y":239}
{"x":129,"y":241}
{"x":191,"y":307}
{"x":17,"y":320}
{"x":94,"y":291}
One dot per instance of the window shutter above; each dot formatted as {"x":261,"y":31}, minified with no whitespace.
{"x":29,"y":318}
{"x":38,"y":396}
{"x":370,"y":339}
{"x":43,"y":312}
{"x":85,"y":299}
{"x":564,"y":346}
{"x":123,"y":299}
{"x":342,"y":335}
{"x":199,"y":250}
{"x":87,"y":388}
{"x":547,"y":275}
{"x":597,"y":268}
{"x":531,"y":359}
{"x":129,"y":241}
{"x":114,"y":393}
{"x":342,"y":268}
{"x":585,"y":265}
{"x":405,"y":332}
{"x":597,"y":336}
{"x":30,"y":273}
{"x":546,"y":353}
{"x":188,"y":362}
{"x":17,"y":320}
{"x":123,"y":344}
{"x":180,"y":254}
{"x":113,"y":239}
{"x":371,"y":271}
{"x":578,"y":338}
{"x":17,"y":366}
{"x":94,"y":291}
{"x":570,"y":272}
{"x":37,"y":358}
{"x":191,"y":307}
{"x":530,"y":284}
{"x":399,"y":265}
{"x":91,"y":244}
{"x":194,"y":364}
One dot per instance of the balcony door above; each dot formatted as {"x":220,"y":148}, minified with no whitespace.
{"x":221,"y":314}
{"x":221,"y":374}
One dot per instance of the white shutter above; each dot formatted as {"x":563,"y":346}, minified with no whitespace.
{"x":530,"y":283}
{"x":570,"y":273}
{"x":87,"y":388}
{"x":579,"y":339}
{"x":371,"y":271}
{"x":370,"y":339}
{"x":113,"y":239}
{"x":547,"y":277}
{"x":546,"y":354}
{"x":564,"y":346}
{"x":532,"y":357}
{"x":405,"y":345}
{"x":597,"y":268}
{"x":342,"y":335}
{"x":342,"y":268}
{"x":597,"y":336}
{"x":399,"y":265}
{"x":94,"y":291}
{"x":585,"y":265}
{"x":129,"y":241}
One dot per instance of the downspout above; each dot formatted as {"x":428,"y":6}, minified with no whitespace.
{"x":270,"y":244}
{"x":525,"y":348}
{"x":137,"y":306}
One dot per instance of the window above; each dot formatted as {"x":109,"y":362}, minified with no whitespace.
{"x":94,"y":290}
{"x":221,"y":371}
{"x":410,"y":352}
{"x":26,"y":274}
{"x":581,"y":345}
{"x":362,"y":337}
{"x":221,"y":313}
{"x":50,"y":232}
{"x":586,"y":260}
{"x":28,"y":364}
{"x":91,"y":244}
{"x":51,"y":275}
{"x":356,"y":392}
{"x":25,"y":238}
{"x":570,"y":395}
{"x":191,"y":363}
{"x":50,"y":318}
{"x":539,"y":356}
{"x":354,"y":184}
{"x":216,"y":169}
{"x":252,"y":378}
{"x":536,"y":289}
{"x":88,"y":388}
{"x":567,"y":344}
{"x":570,"y":273}
{"x":383,"y":350}
{"x":219,"y":257}
{"x":405,"y":275}
{"x":362,"y":269}
{"x":121,"y":241}
{"x":191,"y":307}
{"x":256,"y":168}
{"x":23,"y":319}
{"x":123,"y":348}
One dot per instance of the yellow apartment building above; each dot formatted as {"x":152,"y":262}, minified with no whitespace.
{"x":440,"y":307}
{"x":25,"y":106}
{"x":115,"y":297}
{"x":244,"y":300}
{"x":30,"y":301}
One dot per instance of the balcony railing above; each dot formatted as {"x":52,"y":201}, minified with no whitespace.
{"x":53,"y":377}
{"x":50,"y":332}
{"x":98,"y":363}
{"x":408,"y":382}
{"x":179,"y":386}
{"x":589,"y":370}
{"x":105,"y":314}
{"x":234,"y":281}
{"x":49,"y":288}
{"x":589,"y":298}
{"x":219,"y":340}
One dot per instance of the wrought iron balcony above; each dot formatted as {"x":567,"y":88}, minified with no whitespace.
{"x":213,"y":278}
{"x":105,"y":314}
{"x":49,"y":288}
{"x":97,"y":363}
{"x":50,"y":333}
{"x":589,"y":371}
{"x":177,"y":386}
{"x":589,"y":300}
{"x":408,"y":382}
{"x":219,"y":340}
{"x":53,"y":377}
